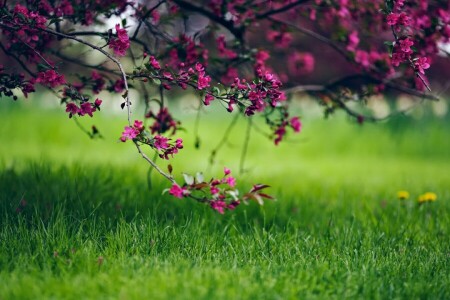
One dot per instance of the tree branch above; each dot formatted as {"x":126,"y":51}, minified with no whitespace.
{"x":16,"y":58}
{"x":237,"y":32}
{"x":280,"y":10}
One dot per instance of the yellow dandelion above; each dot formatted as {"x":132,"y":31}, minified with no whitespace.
{"x":402,"y":195}
{"x":427,"y":197}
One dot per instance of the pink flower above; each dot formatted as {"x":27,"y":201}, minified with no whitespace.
{"x":21,"y":9}
{"x":405,"y":45}
{"x":296,"y":124}
{"x":86,"y":108}
{"x":421,"y":64}
{"x":222,"y":48}
{"x":362,"y":57}
{"x":179,"y":144}
{"x":161,"y":142}
{"x":218,"y":205}
{"x":261,"y":56}
{"x":178,"y":191}
{"x":404,"y":19}
{"x":72,"y":109}
{"x":65,"y":8}
{"x":139,"y":125}
{"x":208,"y":99}
{"x":301,"y":63}
{"x":121,"y":43}
{"x":168,"y":76}
{"x":226,"y":171}
{"x":353,"y":41}
{"x":214,"y":190}
{"x":154,"y":63}
{"x":203,"y":81}
{"x":98,"y":83}
{"x":155,"y":16}
{"x":279,"y":134}
{"x":398,"y":58}
{"x":129,"y":134}
{"x":119,"y":85}
{"x":50,"y":78}
{"x":231,"y":181}
{"x":392,"y":19}
{"x":282,"y":39}
{"x":97,"y":102}
{"x":233,"y":204}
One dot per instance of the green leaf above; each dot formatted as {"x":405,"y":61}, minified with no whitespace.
{"x":216,"y":91}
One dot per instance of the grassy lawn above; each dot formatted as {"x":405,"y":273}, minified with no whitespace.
{"x":91,"y":227}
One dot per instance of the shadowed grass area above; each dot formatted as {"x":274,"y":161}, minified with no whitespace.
{"x":90,"y":227}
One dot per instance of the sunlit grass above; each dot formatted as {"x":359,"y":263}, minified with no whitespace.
{"x":78,"y":220}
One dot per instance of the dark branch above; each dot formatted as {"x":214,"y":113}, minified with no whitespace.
{"x":237,"y":32}
{"x":16,"y":58}
{"x":280,"y":10}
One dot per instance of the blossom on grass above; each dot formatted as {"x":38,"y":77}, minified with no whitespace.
{"x":231,"y":181}
{"x":178,"y":191}
{"x":219,"y":206}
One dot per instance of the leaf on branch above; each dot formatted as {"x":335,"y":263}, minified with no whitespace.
{"x":258,"y":187}
{"x":189,"y":179}
{"x":199,"y":177}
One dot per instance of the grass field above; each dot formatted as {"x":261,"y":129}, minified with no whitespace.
{"x":78,"y":220}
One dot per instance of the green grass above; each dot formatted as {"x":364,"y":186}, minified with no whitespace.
{"x":92,"y":228}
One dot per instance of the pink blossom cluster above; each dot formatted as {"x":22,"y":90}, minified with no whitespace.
{"x":224,"y":51}
{"x":403,"y":26}
{"x":219,"y":193}
{"x":186,"y":52}
{"x":182,"y":75}
{"x":163,"y":122}
{"x":121,"y":43}
{"x":27,"y":24}
{"x":166,"y":147}
{"x":50,"y":78}
{"x":85,"y":108}
{"x":132,"y":132}
{"x":301,"y":63}
{"x":162,"y":144}
{"x":98,"y":83}
{"x":280,"y":129}
{"x":65,"y":8}
{"x":33,"y":18}
{"x":280,"y":37}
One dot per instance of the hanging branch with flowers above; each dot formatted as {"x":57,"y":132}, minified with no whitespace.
{"x":230,"y":56}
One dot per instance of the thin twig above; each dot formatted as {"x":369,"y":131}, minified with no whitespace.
{"x":16,"y":58}
{"x":115,"y":60}
{"x":153,"y":164}
{"x":126,"y":96}
{"x":280,"y":10}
